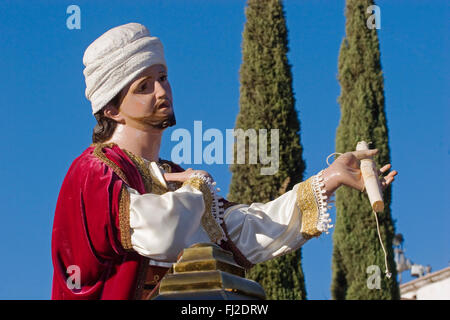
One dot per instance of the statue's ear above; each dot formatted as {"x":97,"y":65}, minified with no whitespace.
{"x":113,"y":112}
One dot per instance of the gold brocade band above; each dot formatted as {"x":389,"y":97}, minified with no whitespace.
{"x":124,"y":219}
{"x":309,"y":209}
{"x":98,"y":152}
{"x":152,"y":184}
{"x":210,"y":225}
{"x":124,"y":201}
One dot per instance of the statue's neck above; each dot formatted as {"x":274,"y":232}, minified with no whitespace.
{"x":143,"y":143}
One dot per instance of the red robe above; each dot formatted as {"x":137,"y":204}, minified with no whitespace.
{"x":91,"y":230}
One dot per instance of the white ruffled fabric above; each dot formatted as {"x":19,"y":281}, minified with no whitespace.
{"x":116,"y":58}
{"x":324,"y":203}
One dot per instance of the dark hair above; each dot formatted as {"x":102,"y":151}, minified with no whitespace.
{"x":105,"y":126}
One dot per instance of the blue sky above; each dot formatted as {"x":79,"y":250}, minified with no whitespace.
{"x":47,"y":121}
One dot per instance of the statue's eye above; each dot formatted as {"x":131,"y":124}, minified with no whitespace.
{"x":143,"y":86}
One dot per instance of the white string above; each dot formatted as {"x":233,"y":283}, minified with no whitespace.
{"x":388,"y":274}
{"x":332,"y":155}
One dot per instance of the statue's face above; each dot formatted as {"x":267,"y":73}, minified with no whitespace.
{"x":148,"y":101}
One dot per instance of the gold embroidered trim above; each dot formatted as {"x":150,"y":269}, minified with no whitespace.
{"x":124,"y":219}
{"x":151,"y":182}
{"x":172,"y":185}
{"x":98,"y":152}
{"x":309,"y":208}
{"x":210,"y":225}
{"x":167,"y":168}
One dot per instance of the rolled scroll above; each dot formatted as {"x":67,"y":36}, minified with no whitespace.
{"x":371,"y":182}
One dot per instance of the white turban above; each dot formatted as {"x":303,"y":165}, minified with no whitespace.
{"x":116,"y":58}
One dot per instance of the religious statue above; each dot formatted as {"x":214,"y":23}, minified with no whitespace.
{"x":124,"y":215}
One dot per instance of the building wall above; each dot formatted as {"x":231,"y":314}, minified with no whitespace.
{"x":427,"y":288}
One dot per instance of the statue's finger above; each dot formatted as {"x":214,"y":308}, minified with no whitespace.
{"x":384,"y":169}
{"x":168,"y":176}
{"x":387,"y":181}
{"x":392,"y":173}
{"x":173,"y":177}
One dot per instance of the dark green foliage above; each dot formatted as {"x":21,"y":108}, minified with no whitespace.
{"x":267,"y":102}
{"x":356,"y":244}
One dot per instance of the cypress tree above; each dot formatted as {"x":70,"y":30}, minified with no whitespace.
{"x":356,"y":243}
{"x":267,"y":102}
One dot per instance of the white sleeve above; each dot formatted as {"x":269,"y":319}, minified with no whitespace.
{"x":264,"y":231}
{"x":163,"y":225}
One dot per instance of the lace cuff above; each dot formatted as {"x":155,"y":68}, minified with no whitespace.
{"x":314,"y":205}
{"x":324,"y":203}
{"x":212,"y":218}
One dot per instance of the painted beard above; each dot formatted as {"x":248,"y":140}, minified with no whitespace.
{"x":157,"y":119}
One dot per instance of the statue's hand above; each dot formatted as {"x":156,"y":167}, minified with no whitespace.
{"x":183,"y":176}
{"x":345,"y":170}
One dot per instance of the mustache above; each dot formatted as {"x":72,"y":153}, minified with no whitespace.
{"x":162,"y":102}
{"x":158,"y":120}
{"x":161,"y":121}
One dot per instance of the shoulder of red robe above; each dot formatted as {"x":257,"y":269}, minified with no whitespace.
{"x":116,"y":159}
